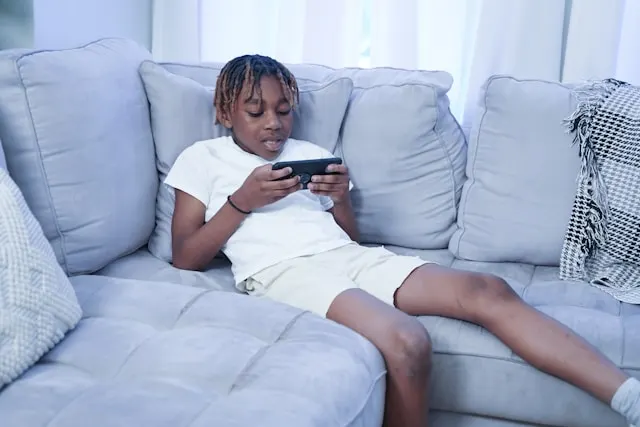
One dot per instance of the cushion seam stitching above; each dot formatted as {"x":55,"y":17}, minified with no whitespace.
{"x":438,"y":133}
{"x":471,"y":179}
{"x":41,"y":166}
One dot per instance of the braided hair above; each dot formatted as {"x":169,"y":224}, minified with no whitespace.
{"x":248,"y":70}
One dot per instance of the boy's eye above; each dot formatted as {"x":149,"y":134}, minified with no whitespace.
{"x":260,"y":113}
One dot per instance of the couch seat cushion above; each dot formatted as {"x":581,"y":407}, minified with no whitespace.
{"x":474,"y":373}
{"x":157,"y":354}
{"x":142,"y":265}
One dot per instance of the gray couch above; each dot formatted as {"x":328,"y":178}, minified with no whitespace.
{"x":89,"y":133}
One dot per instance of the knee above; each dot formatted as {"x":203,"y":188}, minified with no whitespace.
{"x":409,"y":348}
{"x":485,"y":294}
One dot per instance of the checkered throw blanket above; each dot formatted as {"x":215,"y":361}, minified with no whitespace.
{"x":602,"y":242}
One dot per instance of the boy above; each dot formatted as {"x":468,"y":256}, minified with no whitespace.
{"x":300,"y":248}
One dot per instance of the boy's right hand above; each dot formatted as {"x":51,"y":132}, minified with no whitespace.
{"x":261,"y":188}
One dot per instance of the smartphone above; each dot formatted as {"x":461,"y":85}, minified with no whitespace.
{"x":305,"y":169}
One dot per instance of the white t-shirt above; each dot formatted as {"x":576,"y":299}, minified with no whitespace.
{"x":295,"y":226}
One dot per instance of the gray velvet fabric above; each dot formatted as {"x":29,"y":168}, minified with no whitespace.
{"x":473,"y":372}
{"x":142,"y":265}
{"x":521,"y":174}
{"x":77,"y":139}
{"x":3,"y":162}
{"x":158,"y":354}
{"x":452,"y":419}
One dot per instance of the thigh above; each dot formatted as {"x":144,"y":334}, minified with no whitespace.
{"x":301,"y":283}
{"x":379,"y":271}
{"x":434,"y":290}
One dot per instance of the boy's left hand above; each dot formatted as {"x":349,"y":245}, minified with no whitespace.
{"x":335,"y":186}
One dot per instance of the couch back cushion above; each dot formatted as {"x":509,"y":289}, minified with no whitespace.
{"x":207,"y":73}
{"x":77,"y":139}
{"x":406,"y":155}
{"x":405,"y":151}
{"x":182,"y":113}
{"x":3,"y":162}
{"x":522,"y":173}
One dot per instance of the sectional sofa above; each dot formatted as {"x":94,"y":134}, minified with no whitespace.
{"x":88,"y":135}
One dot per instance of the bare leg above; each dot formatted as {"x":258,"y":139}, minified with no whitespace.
{"x":405,"y":346}
{"x":490,"y":302}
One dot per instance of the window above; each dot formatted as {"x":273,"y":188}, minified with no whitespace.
{"x":365,"y":48}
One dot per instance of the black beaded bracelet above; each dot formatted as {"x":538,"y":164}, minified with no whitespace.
{"x":233,"y":205}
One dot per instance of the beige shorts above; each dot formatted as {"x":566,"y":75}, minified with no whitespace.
{"x":313,"y":282}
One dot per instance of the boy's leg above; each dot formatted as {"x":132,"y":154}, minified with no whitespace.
{"x":489,"y":301}
{"x":418,"y":288}
{"x":405,"y":346}
{"x":320,"y":285}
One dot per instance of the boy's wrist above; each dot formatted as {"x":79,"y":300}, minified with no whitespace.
{"x":240,"y":203}
{"x":344,"y":201}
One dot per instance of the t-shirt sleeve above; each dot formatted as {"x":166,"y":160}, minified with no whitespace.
{"x":327,"y":203}
{"x":190,"y":174}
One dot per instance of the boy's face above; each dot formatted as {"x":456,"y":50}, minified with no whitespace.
{"x":261,"y":125}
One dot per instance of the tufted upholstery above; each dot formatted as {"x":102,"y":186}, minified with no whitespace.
{"x":473,"y":372}
{"x":157,"y":354}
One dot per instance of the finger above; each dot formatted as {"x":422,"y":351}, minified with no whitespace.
{"x":329,"y":179}
{"x":281,"y":184}
{"x":262,"y":171}
{"x":326,"y":188}
{"x":279,"y":173}
{"x":279,"y":194}
{"x":341,"y":169}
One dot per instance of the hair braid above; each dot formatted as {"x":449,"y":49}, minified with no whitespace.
{"x":245,"y":73}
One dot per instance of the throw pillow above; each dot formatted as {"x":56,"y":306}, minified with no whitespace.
{"x":38,"y":305}
{"x":521,"y":170}
{"x":182,"y":113}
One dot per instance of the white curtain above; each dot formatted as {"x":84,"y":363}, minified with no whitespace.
{"x":564,"y":40}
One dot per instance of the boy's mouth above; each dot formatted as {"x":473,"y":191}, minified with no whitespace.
{"x":273,"y":145}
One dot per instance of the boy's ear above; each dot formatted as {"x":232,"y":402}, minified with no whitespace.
{"x":224,"y":118}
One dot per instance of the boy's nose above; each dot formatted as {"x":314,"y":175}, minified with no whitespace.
{"x":273,"y":122}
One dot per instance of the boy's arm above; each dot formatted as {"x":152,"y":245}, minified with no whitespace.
{"x":344,"y":216}
{"x":194,"y":242}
